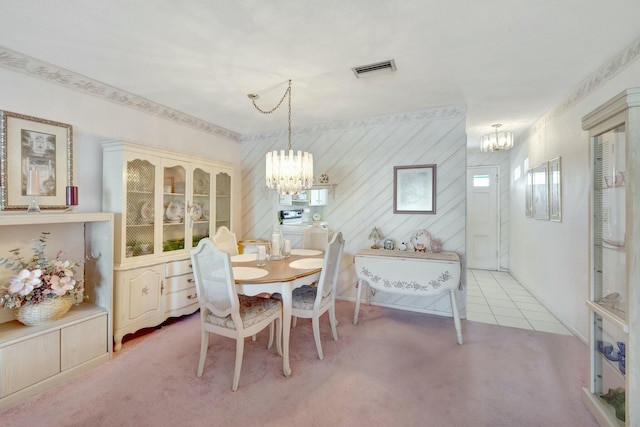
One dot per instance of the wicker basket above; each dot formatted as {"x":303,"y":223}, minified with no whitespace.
{"x":44,"y":312}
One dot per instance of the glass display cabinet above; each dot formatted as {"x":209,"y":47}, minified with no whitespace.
{"x":614,"y":138}
{"x":164,"y":206}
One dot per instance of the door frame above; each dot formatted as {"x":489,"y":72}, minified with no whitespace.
{"x":496,"y":169}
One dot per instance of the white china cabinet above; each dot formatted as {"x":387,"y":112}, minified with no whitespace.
{"x":614,"y":137}
{"x":165,"y":202}
{"x":33,"y":358}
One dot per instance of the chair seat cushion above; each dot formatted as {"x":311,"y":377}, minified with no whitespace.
{"x":305,"y":296}
{"x":252,"y":310}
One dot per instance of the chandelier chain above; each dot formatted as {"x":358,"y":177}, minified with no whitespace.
{"x":286,"y":92}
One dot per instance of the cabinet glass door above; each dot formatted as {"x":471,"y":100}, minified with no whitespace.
{"x":223,"y":200}
{"x":140,"y":208}
{"x":201,"y":211}
{"x":174,"y":204}
{"x":610,"y":280}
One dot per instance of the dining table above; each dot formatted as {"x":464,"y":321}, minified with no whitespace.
{"x":280,"y":276}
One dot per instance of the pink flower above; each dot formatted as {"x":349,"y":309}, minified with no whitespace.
{"x":65,"y":267}
{"x":24,"y":282}
{"x":60,"y":286}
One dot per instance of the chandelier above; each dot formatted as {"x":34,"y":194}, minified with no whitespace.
{"x":497,"y":141}
{"x":288,"y":172}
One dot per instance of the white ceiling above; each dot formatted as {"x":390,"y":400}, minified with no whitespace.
{"x":507,"y":61}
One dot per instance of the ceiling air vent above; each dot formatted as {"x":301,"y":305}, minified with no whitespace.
{"x":366,"y":69}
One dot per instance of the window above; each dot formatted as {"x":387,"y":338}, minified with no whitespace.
{"x":481,"y":181}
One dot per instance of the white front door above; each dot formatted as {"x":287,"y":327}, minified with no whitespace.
{"x":483,"y":219}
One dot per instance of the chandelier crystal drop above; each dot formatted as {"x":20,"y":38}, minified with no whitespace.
{"x":288,"y":172}
{"x":497,"y":141}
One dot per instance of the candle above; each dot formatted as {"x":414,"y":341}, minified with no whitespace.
{"x":275,"y":244}
{"x":72,"y":195}
{"x":33,"y":182}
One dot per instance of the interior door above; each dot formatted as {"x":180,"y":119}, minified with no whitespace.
{"x":483,"y":218}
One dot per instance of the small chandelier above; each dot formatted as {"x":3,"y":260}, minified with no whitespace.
{"x":497,"y":141}
{"x":287,"y":172}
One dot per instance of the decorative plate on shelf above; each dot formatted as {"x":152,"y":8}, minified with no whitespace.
{"x":197,"y":211}
{"x":175,"y":211}
{"x":421,"y":240}
{"x":205,"y":213}
{"x":146,"y":212}
{"x":201,"y":186}
{"x":132,"y":213}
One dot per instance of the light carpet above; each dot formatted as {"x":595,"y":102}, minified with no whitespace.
{"x":395,"y":368}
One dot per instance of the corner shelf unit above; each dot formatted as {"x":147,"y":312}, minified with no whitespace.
{"x":614,"y":294}
{"x":33,"y":358}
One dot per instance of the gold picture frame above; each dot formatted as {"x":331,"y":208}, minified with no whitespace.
{"x":36,"y":160}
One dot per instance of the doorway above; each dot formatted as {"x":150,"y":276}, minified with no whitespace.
{"x":483,"y":217}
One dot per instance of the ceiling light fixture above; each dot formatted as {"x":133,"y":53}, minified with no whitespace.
{"x":498,"y":141}
{"x":290,"y":172}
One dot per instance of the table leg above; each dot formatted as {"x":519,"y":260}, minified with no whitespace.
{"x":357,"y":310}
{"x":456,"y":316}
{"x":287,"y":302}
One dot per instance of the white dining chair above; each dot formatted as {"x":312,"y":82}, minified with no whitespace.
{"x":226,"y":241}
{"x":223,"y":311}
{"x":312,"y":301}
{"x":315,"y":237}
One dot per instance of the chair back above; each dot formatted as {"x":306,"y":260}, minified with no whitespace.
{"x":315,"y":237}
{"x":226,"y":241}
{"x":328,"y":280}
{"x":213,"y":275}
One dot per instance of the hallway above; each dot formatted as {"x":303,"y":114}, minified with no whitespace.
{"x":497,"y":298}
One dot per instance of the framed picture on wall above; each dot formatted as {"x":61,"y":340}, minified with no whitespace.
{"x":414,"y":189}
{"x":528,"y":194}
{"x":541,"y":192}
{"x":555,"y":190}
{"x":35,"y":161}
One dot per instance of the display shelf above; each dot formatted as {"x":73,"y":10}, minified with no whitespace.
{"x":614,"y":138}
{"x":182,"y":190}
{"x":33,"y":358}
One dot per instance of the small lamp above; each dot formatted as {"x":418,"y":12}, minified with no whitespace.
{"x":375,"y":235}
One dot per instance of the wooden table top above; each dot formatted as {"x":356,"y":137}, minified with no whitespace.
{"x":279,"y":271}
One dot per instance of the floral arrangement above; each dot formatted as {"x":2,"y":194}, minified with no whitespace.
{"x":38,"y":278}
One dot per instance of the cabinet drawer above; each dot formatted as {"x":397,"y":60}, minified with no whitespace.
{"x":178,"y":283}
{"x":83,"y":341}
{"x":180,"y":299}
{"x":28,"y":362}
{"x":176,"y":268}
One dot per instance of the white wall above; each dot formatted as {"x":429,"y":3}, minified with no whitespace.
{"x":95,"y":119}
{"x":551,"y":258}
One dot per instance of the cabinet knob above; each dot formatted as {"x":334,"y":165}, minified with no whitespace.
{"x":192,"y":296}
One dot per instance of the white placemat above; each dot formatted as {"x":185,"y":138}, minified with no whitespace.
{"x":248,"y":273}
{"x":305,"y":252}
{"x":307,"y":263}
{"x":243,"y":257}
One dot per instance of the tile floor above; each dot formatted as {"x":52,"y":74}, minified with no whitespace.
{"x":497,"y":298}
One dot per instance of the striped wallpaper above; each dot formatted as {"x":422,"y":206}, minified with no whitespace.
{"x":359,"y":157}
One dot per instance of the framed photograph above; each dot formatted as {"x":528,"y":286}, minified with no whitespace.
{"x":414,"y":189}
{"x":541,"y":192}
{"x":528,"y":194}
{"x":555,"y":190}
{"x":35,"y":161}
